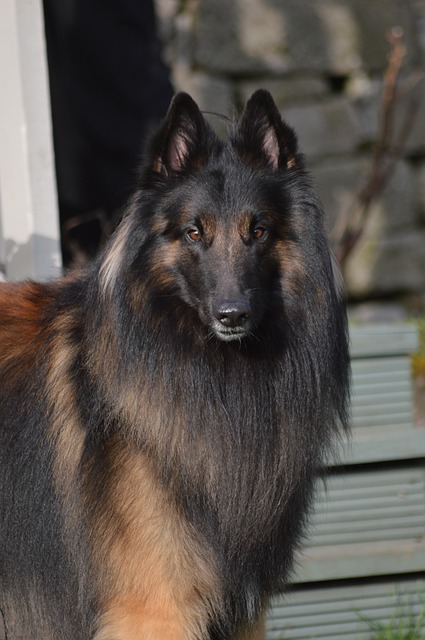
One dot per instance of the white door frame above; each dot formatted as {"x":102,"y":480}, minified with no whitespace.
{"x":29,"y":227}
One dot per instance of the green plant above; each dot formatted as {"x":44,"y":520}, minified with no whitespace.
{"x":404,"y":624}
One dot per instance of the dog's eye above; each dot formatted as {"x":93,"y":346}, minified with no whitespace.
{"x":259,"y":232}
{"x":194,"y":234}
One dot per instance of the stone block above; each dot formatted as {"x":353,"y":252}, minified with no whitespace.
{"x":415,"y":145}
{"x":367,"y":107}
{"x":212,"y":94}
{"x":331,"y":36}
{"x":324,"y":128}
{"x":386,"y":266}
{"x":180,"y":44}
{"x":166,"y":12}
{"x":241,"y":36}
{"x":306,"y":87}
{"x":390,"y":256}
{"x":364,"y":94}
{"x":338,"y":182}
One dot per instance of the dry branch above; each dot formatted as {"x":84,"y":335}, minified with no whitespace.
{"x":388,"y":150}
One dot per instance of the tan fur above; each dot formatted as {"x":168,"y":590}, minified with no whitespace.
{"x":125,"y":621}
{"x":158,"y":166}
{"x":292,"y":261}
{"x":157,"y":226}
{"x":256,"y":632}
{"x":164,"y":260}
{"x":155,"y":580}
{"x":112,"y":262}
{"x":65,"y":432}
{"x":22,"y":307}
{"x":22,"y":332}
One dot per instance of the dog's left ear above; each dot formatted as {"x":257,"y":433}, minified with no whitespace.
{"x":263,"y":137}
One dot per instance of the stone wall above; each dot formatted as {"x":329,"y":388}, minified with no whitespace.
{"x":323,"y":61}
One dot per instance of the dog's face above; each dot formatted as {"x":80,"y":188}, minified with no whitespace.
{"x":223,"y":263}
{"x":226,"y":259}
{"x":221,"y":216}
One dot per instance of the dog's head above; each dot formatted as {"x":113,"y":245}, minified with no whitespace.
{"x":228,"y":227}
{"x":223,"y":213}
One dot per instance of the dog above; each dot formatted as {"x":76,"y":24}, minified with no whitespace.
{"x":164,"y":412}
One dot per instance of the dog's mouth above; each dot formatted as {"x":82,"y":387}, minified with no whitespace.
{"x":231,"y":320}
{"x":227,"y":334}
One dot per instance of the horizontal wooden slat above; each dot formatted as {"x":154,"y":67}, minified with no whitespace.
{"x":382,"y":392}
{"x":335,"y":562}
{"x":383,"y":339}
{"x":393,"y":513}
{"x":346,"y":611}
{"x":390,"y":368}
{"x":371,"y":523}
{"x":377,"y":392}
{"x":380,"y":443}
{"x":382,"y":414}
{"x":402,"y":476}
{"x":366,"y":523}
{"x":382,"y":398}
{"x":366,"y":499}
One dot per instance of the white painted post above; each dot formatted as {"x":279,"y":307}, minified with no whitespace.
{"x":29,"y":227}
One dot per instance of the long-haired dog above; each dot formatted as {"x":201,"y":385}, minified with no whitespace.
{"x":163,"y":413}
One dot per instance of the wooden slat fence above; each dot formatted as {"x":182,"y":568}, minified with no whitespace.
{"x":368,"y":530}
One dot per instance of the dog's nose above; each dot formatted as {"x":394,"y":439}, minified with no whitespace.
{"x":233,"y":313}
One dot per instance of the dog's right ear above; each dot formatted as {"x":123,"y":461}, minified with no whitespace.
{"x":181,"y":144}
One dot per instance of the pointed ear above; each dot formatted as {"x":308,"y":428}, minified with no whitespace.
{"x":181,"y":143}
{"x":263,"y":138}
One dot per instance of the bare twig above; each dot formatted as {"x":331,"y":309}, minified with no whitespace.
{"x":388,"y":150}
